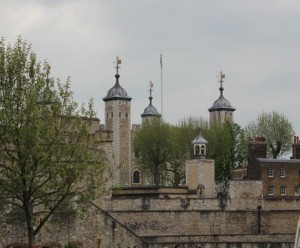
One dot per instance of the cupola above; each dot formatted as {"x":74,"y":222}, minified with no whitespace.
{"x":199,"y":146}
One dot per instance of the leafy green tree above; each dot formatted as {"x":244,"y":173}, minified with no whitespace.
{"x":152,"y":146}
{"x":227,"y":145}
{"x":277,"y":130}
{"x":181,"y":148}
{"x":48,"y":156}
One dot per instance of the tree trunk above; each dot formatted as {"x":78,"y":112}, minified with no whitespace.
{"x":156,"y":176}
{"x":29,"y":221}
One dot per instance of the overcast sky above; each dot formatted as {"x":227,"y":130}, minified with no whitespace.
{"x":255,"y":43}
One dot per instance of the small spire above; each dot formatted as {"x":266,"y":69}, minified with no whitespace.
{"x":150,"y":90}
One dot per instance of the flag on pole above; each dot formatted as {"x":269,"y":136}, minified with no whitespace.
{"x":161,"y":60}
{"x":119,"y":61}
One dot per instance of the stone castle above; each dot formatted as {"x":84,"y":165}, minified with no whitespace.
{"x":259,"y":208}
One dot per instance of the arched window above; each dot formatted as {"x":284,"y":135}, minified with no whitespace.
{"x":197,"y":150}
{"x":136,"y":177}
{"x":202,"y":152}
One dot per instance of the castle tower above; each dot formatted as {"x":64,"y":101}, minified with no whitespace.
{"x":221,"y":109}
{"x":117,"y":119}
{"x":150,"y":111}
{"x":200,"y":172}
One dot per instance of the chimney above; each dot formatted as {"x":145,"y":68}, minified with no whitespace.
{"x":296,"y":148}
{"x":257,"y":148}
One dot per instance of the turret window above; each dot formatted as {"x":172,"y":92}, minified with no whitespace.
{"x":197,"y":150}
{"x":202,"y":150}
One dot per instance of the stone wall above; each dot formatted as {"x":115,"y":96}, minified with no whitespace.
{"x":95,"y":228}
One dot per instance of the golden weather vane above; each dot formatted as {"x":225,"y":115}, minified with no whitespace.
{"x":118,"y":62}
{"x":150,"y":87}
{"x":221,"y":77}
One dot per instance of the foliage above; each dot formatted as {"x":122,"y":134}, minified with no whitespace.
{"x":151,"y":146}
{"x":181,"y":148}
{"x":46,"y":148}
{"x":277,"y":130}
{"x":227,"y":145}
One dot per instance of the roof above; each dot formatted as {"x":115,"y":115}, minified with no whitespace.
{"x":150,"y":110}
{"x":199,"y":139}
{"x":279,"y":161}
{"x":117,"y":92}
{"x":221,"y":103}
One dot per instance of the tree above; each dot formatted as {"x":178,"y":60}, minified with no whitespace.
{"x":227,"y":145}
{"x":181,"y":148}
{"x":277,"y":130}
{"x":152,"y":145}
{"x":48,"y":156}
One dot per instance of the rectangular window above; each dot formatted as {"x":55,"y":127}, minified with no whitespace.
{"x":282,"y":190}
{"x":112,"y":114}
{"x":282,"y":172}
{"x":270,"y":172}
{"x":296,"y":191}
{"x":119,"y":114}
{"x":271,"y":190}
{"x":106,"y":115}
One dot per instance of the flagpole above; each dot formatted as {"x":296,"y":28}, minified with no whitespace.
{"x":161,"y":86}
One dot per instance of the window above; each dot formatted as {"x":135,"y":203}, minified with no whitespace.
{"x":106,"y":115}
{"x":126,"y":115}
{"x":111,"y":114}
{"x":282,"y":190}
{"x":296,"y":191}
{"x":197,"y":150}
{"x":282,"y":172}
{"x":270,"y":172}
{"x":136,"y":177}
{"x":271,"y":190}
{"x":202,"y":150}
{"x":119,"y":114}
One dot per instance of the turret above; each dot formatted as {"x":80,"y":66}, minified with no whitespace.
{"x":221,"y":109}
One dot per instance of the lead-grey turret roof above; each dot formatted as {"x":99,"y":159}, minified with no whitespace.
{"x":117,"y":92}
{"x":199,"y":139}
{"x":221,"y":103}
{"x":150,"y":110}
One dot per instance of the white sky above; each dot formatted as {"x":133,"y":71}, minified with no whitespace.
{"x":255,"y":43}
